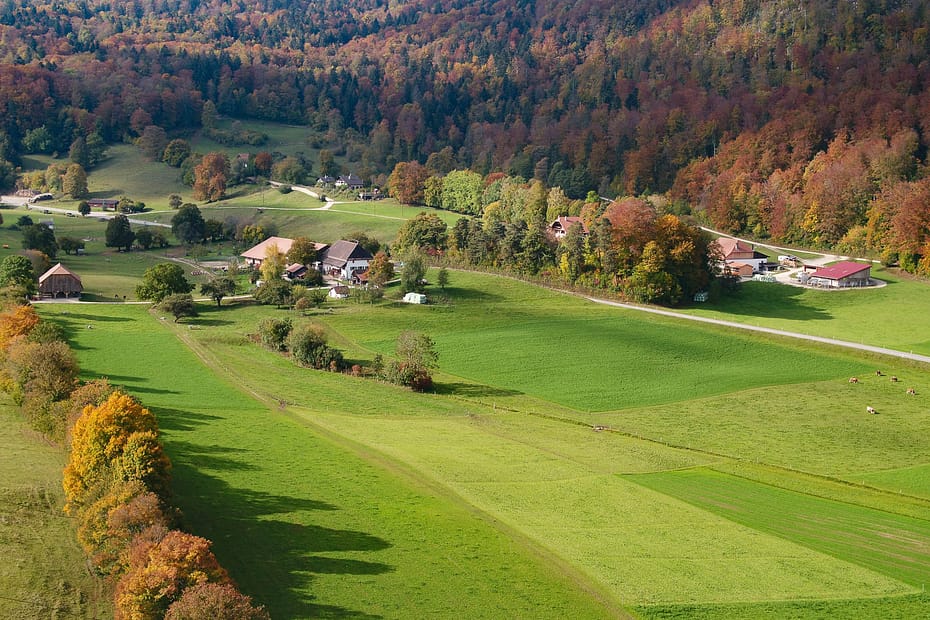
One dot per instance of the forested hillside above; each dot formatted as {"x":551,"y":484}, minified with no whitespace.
{"x":802,"y":120}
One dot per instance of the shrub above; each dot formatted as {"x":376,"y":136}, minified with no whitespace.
{"x":274,"y":332}
{"x":214,"y":601}
{"x":307,"y":344}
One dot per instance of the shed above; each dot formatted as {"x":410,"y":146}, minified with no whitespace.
{"x":60,"y":282}
{"x":338,"y":292}
{"x":415,"y":298}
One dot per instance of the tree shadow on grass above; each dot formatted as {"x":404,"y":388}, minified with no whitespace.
{"x":273,"y":560}
{"x":178,"y":420}
{"x":77,"y":316}
{"x":473,"y":390}
{"x":766,"y":299}
{"x":202,"y":322}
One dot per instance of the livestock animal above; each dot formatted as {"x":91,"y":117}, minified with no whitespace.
{"x":911,"y":392}
{"x":878,"y":373}
{"x":894,"y":379}
{"x":854,"y":379}
{"x":870,"y":410}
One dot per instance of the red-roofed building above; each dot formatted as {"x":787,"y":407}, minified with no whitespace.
{"x":735,"y":251}
{"x":559,"y":227}
{"x":844,"y":274}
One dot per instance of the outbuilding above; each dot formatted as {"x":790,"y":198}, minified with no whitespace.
{"x":415,"y":298}
{"x":339,"y":292}
{"x":60,"y":282}
{"x":844,"y":274}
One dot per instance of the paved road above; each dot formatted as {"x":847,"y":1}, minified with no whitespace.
{"x":100,"y":216}
{"x":822,"y":259}
{"x":768,"y":330}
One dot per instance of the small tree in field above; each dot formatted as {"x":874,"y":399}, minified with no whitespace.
{"x":179,"y":305}
{"x":416,"y":356}
{"x":442,"y":278}
{"x":218,"y":288}
{"x":213,"y":601}
{"x":162,"y":280}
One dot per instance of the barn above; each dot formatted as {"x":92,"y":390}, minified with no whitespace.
{"x":60,"y":282}
{"x":843,"y":274}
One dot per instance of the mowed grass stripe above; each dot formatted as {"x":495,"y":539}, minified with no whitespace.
{"x":640,"y":544}
{"x":303,"y":524}
{"x":894,"y":545}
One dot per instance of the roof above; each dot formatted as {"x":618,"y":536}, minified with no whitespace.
{"x":565,"y":222}
{"x":295,"y":268}
{"x":350,"y":180}
{"x":260,"y":251}
{"x":343,"y":251}
{"x":58,"y":270}
{"x":729,"y":247}
{"x":841,"y":270}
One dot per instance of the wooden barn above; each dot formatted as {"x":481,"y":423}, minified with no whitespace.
{"x":60,"y":282}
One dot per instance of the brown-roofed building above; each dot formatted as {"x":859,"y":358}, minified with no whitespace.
{"x":295,"y":271}
{"x":60,"y":282}
{"x":255,"y":255}
{"x":346,"y":258}
{"x":559,"y":227}
{"x":736,"y":251}
{"x":844,"y":274}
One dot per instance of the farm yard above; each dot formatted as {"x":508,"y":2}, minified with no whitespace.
{"x":575,"y":457}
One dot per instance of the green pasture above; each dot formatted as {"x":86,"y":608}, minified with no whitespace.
{"x":893,"y":316}
{"x":282,"y":138}
{"x":43,"y":573}
{"x":708,"y":433}
{"x":308,"y":525}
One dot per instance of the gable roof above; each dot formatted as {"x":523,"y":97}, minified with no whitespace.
{"x":58,"y":270}
{"x":564,"y":222}
{"x":730,"y":247}
{"x":343,"y":251}
{"x":260,"y":251}
{"x":840,"y":270}
{"x":351,"y":180}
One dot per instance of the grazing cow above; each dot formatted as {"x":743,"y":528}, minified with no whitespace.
{"x":878,"y":373}
{"x":912,"y":392}
{"x":854,"y":379}
{"x":870,"y":410}
{"x":894,"y":379}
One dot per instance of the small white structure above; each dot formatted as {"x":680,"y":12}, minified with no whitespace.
{"x":339,"y":292}
{"x":414,"y":298}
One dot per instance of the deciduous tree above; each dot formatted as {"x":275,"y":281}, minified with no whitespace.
{"x":179,"y":305}
{"x":218,"y":288}
{"x":210,"y":177}
{"x":188,"y":224}
{"x":161,"y":281}
{"x":119,"y":233}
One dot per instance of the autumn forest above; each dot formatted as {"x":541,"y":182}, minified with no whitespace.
{"x":802,"y":121}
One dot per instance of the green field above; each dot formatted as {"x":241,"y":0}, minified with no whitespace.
{"x":668,"y":513}
{"x":43,"y":573}
{"x":893,"y":316}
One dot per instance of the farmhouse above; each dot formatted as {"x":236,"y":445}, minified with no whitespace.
{"x":344,"y":259}
{"x":60,"y":282}
{"x":325,"y":181}
{"x":736,"y":251}
{"x":844,"y":274}
{"x":295,"y":271}
{"x":351,"y":182}
{"x":559,"y":227}
{"x":256,"y":254}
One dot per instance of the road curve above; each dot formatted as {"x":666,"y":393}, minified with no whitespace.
{"x":768,"y":330}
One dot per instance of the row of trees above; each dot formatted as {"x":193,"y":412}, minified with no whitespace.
{"x":626,"y":246}
{"x":116,"y":480}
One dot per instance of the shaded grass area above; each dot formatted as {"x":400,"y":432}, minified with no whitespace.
{"x":307,"y":527}
{"x":43,"y":573}
{"x":893,"y":316}
{"x":894,"y":545}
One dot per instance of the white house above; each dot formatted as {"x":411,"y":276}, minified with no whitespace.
{"x":736,"y":253}
{"x":338,"y":292}
{"x":344,"y":259}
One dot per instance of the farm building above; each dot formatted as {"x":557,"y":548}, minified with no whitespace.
{"x":559,"y":227}
{"x":414,"y":298}
{"x":104,"y":204}
{"x":743,"y":270}
{"x":736,"y":251}
{"x":338,"y":292}
{"x":60,"y":282}
{"x":344,"y":259}
{"x":295,"y":271}
{"x":844,"y":274}
{"x":256,"y":254}
{"x":350,"y":182}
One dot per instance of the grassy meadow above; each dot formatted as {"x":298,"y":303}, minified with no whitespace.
{"x":382,"y":502}
{"x":43,"y":573}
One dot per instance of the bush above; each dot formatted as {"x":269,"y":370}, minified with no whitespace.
{"x":213,"y":601}
{"x":274,"y":332}
{"x":307,"y":344}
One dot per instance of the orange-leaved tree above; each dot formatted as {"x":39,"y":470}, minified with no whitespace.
{"x":113,"y":439}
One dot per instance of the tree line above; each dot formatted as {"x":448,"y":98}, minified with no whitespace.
{"x":117,"y":479}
